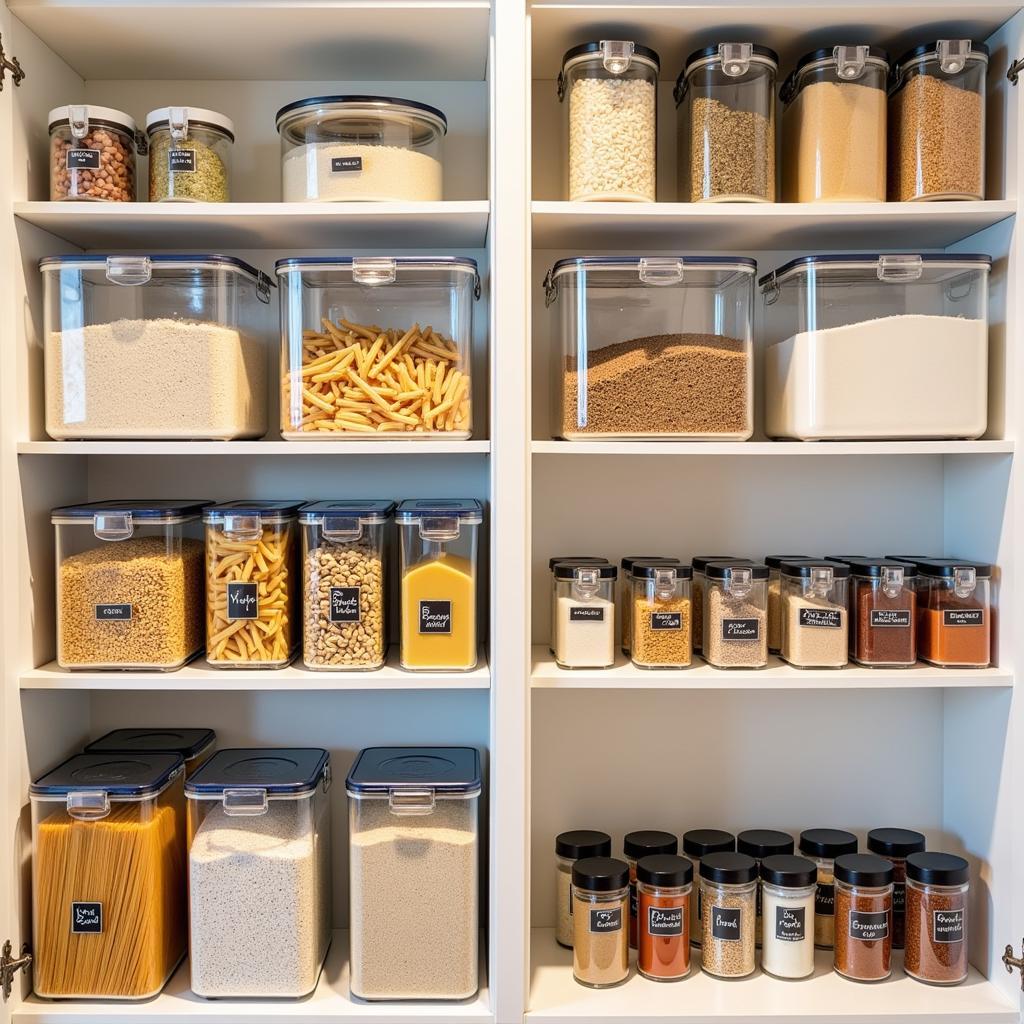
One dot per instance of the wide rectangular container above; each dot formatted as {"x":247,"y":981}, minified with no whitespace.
{"x":259,"y":872}
{"x":155,"y":346}
{"x":414,"y":863}
{"x":108,"y":876}
{"x":877,"y":346}
{"x":377,"y":347}
{"x":194,"y":746}
{"x":653,"y":347}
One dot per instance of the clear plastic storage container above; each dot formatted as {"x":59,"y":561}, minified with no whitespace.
{"x":735,"y":615}
{"x":377,"y":346}
{"x":954,"y":613}
{"x":775,"y":597}
{"x":414,"y":863}
{"x":653,"y":346}
{"x":108,"y":876}
{"x":863,"y":918}
{"x":883,"y":612}
{"x":155,"y":347}
{"x":585,"y":614}
{"x":194,"y":746}
{"x":661,"y":613}
{"x":552,"y":562}
{"x":728,"y":893}
{"x":625,"y":594}
{"x":340,"y":148}
{"x":345,"y":576}
{"x":259,"y":872}
{"x":815,"y":614}
{"x":189,"y":155}
{"x":129,"y":584}
{"x":877,"y":346}
{"x":92,"y":154}
{"x":833,"y":126}
{"x":610,"y":93}
{"x":438,"y":583}
{"x":725,"y":98}
{"x":937,"y":122}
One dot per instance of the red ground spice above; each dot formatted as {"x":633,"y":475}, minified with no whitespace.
{"x":932,"y":918}
{"x":877,"y":639}
{"x":661,"y":955}
{"x":857,"y":958}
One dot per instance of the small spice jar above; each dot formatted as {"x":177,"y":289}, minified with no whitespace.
{"x":735,"y":615}
{"x":937,"y":887}
{"x":700,"y":563}
{"x":883,"y":609}
{"x":895,"y":845}
{"x":660,"y":611}
{"x":664,"y":887}
{"x":585,"y":615}
{"x":788,"y":885}
{"x":760,"y":843}
{"x":600,"y":947}
{"x":636,"y":845}
{"x":569,"y":848}
{"x":92,"y":154}
{"x":552,"y":562}
{"x":626,"y":593}
{"x":954,"y":621}
{"x":775,"y":597}
{"x":698,"y":843}
{"x":189,"y":155}
{"x":814,"y":614}
{"x":863,"y":941}
{"x":823,"y":845}
{"x":728,"y":885}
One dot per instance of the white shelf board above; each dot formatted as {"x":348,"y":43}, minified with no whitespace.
{"x":373,"y":447}
{"x":749,"y":226}
{"x":547,"y":675}
{"x":780,"y":448}
{"x":449,"y":224}
{"x":824,"y":998}
{"x":330,"y":1002}
{"x":285,"y":40}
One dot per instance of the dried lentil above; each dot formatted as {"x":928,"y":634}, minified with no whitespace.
{"x":732,"y":153}
{"x":113,"y":181}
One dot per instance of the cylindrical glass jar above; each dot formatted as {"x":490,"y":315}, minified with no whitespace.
{"x":937,"y":887}
{"x":552,"y":562}
{"x":585,"y":615}
{"x":823,"y":845}
{"x":698,"y":843}
{"x":569,"y":848}
{"x":625,"y":593}
{"x":636,"y":845}
{"x":735,"y":615}
{"x":759,"y":843}
{"x":954,"y":619}
{"x":725,"y":98}
{"x":609,"y":89}
{"x":814,"y":614}
{"x":600,"y":945}
{"x":728,"y":887}
{"x":895,"y":845}
{"x":937,"y":122}
{"x":788,"y":888}
{"x":883,"y":612}
{"x":189,"y":155}
{"x":863,"y":932}
{"x":661,"y":613}
{"x":664,"y":890}
{"x":775,"y":597}
{"x":92,"y":154}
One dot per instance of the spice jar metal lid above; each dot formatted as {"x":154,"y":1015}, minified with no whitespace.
{"x":578,"y":559}
{"x":764,"y":842}
{"x":805,"y":570}
{"x":97,"y":117}
{"x":946,"y":568}
{"x":723,"y":570}
{"x":192,"y":117}
{"x":699,"y":842}
{"x":664,"y":869}
{"x":611,"y":50}
{"x":875,"y":568}
{"x":938,"y":869}
{"x":600,"y":874}
{"x":628,"y":561}
{"x":583,"y":842}
{"x":569,"y":570}
{"x":895,"y":842}
{"x":774,"y":561}
{"x":645,"y":842}
{"x":788,"y":871}
{"x":863,"y":869}
{"x":827,"y":842}
{"x":649,"y":570}
{"x":728,"y":868}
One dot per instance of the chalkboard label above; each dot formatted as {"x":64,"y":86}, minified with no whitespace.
{"x":83,"y":159}
{"x":606,"y":920}
{"x":665,"y":920}
{"x":666,"y":620}
{"x":948,"y":925}
{"x":825,"y":900}
{"x":725,"y":923}
{"x":889,"y":618}
{"x":963,"y":617}
{"x":181,"y":160}
{"x":243,"y":601}
{"x":86,"y":918}
{"x":435,"y":617}
{"x":741,"y":629}
{"x":821,"y":618}
{"x":789,"y":924}
{"x":113,"y":613}
{"x":583,"y":613}
{"x":345,"y":604}
{"x":340,"y":164}
{"x":899,"y":897}
{"x":868,"y":927}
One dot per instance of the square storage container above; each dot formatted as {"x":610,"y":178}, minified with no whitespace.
{"x":439,"y":585}
{"x":652,"y":347}
{"x":585,"y":614}
{"x":815,"y":613}
{"x":661,"y":610}
{"x":552,"y":562}
{"x":194,"y":746}
{"x":108,"y":876}
{"x":414,"y":864}
{"x":623,"y":608}
{"x":735,"y":615}
{"x":155,"y":347}
{"x":129,"y":584}
{"x":954,"y":613}
{"x":877,"y":346}
{"x":883,"y":612}
{"x":377,"y":347}
{"x":259,"y":872}
{"x":345,"y":578}
{"x":252,"y":583}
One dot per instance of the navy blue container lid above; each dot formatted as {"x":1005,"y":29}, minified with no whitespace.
{"x":157,"y":510}
{"x":269,"y":510}
{"x":592,"y":49}
{"x":945,"y":568}
{"x":871,"y":259}
{"x":187,"y":261}
{"x":722,"y":570}
{"x":803,"y":569}
{"x":118,"y":775}
{"x":315,"y":102}
{"x":648,"y":570}
{"x":282,"y":771}
{"x":578,"y":559}
{"x":283,"y":266}
{"x":367,"y":510}
{"x":774,"y":561}
{"x":189,"y":743}
{"x":743,"y":263}
{"x":872,"y":567}
{"x":414,"y":509}
{"x":447,"y":770}
{"x":567,"y":570}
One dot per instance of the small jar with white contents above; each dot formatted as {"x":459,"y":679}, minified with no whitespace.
{"x":735,"y":615}
{"x":569,"y":848}
{"x":697,"y":844}
{"x":788,"y":885}
{"x":815,"y":618}
{"x":552,"y":562}
{"x":585,"y":615}
{"x":822,"y":846}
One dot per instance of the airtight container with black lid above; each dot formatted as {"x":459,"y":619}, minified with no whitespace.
{"x":193,"y":745}
{"x":584,"y":614}
{"x":108,"y":876}
{"x":661,"y":613}
{"x":815,"y":613}
{"x":582,"y":560}
{"x":735,"y":620}
{"x":954,"y":612}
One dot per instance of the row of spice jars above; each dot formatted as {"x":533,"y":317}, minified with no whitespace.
{"x":754,"y":893}
{"x":134,"y":579}
{"x":840,"y":130}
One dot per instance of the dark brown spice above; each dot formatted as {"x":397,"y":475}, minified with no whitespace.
{"x":858,"y":958}
{"x":934,"y":915}
{"x":885,"y":632}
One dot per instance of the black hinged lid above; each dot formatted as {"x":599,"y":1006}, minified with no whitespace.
{"x":774,"y":561}
{"x":126,"y":775}
{"x":414,"y":509}
{"x":805,"y":569}
{"x":788,"y":871}
{"x":649,"y":570}
{"x":699,"y":562}
{"x":189,"y":743}
{"x":872,"y":567}
{"x":764,"y":842}
{"x":155,"y":511}
{"x":895,"y":842}
{"x":699,"y":842}
{"x":645,"y":842}
{"x":628,"y":561}
{"x":728,"y":868}
{"x":453,"y":771}
{"x":575,"y":559}
{"x":568,"y":570}
{"x":664,"y":869}
{"x":827,"y":842}
{"x":595,"y":48}
{"x":583,"y":842}
{"x":600,"y":874}
{"x":863,"y":869}
{"x":714,"y":51}
{"x":945,"y":568}
{"x":280,"y":771}
{"x":938,"y":869}
{"x":723,"y":570}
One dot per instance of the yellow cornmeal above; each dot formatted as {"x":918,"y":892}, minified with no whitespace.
{"x":661,"y":647}
{"x":445,"y":579}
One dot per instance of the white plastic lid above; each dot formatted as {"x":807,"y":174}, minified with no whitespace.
{"x":194,"y":115}
{"x":94,"y":115}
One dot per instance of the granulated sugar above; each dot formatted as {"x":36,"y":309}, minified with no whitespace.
{"x":387,"y":173}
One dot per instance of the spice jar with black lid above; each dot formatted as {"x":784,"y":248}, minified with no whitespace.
{"x":661,"y":614}
{"x":664,"y":888}
{"x":775,"y":597}
{"x":896,"y":845}
{"x":736,"y":615}
{"x":823,"y":845}
{"x":698,"y":843}
{"x":937,"y":888}
{"x":600,"y":948}
{"x":954,"y":616}
{"x":863,"y":941}
{"x":883,"y":609}
{"x":626,"y":593}
{"x":552,"y":562}
{"x":788,"y":891}
{"x":699,"y":563}
{"x":636,"y":845}
{"x":569,"y":848}
{"x":814,"y":614}
{"x":760,"y":843}
{"x":728,"y":885}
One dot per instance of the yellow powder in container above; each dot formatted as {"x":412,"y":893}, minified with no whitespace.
{"x":439,"y":614}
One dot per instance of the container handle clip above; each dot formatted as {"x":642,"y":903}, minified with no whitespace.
{"x":851,"y":61}
{"x":78,"y":119}
{"x":892,"y":580}
{"x":411,"y":801}
{"x":129,"y":270}
{"x":822,"y":578}
{"x":342,"y":528}
{"x":900,"y":268}
{"x":665,"y":583}
{"x":953,"y":55}
{"x":586,"y":581}
{"x":177,"y":120}
{"x":965,"y":579}
{"x":239,"y":803}
{"x":739,"y":582}
{"x":440,"y":528}
{"x":113,"y":525}
{"x":244,"y":527}
{"x":88,"y":805}
{"x":735,"y":58}
{"x":616,"y":55}
{"x":660,"y":271}
{"x":373,"y":270}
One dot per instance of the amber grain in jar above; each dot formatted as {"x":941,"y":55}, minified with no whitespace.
{"x":600,"y":949}
{"x":643,"y":843}
{"x":937,"y":888}
{"x":863,"y":919}
{"x":895,"y":845}
{"x":569,"y":848}
{"x":664,"y":890}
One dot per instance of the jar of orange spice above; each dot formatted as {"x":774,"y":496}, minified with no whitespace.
{"x":664,"y":887}
{"x":954,"y":613}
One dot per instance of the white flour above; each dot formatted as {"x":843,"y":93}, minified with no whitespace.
{"x":388,"y":173}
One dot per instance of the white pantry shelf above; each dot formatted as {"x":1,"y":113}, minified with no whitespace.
{"x":779,"y":448}
{"x":282,"y":226}
{"x":825,"y":998}
{"x":373,"y":447}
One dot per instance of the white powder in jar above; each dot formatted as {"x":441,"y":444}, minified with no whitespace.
{"x":584,"y":632}
{"x":788,"y":933}
{"x":386,"y":173}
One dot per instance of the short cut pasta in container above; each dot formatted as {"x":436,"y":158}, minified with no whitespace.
{"x":377,"y":347}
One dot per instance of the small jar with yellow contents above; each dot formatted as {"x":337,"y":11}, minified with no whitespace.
{"x":439,"y":582}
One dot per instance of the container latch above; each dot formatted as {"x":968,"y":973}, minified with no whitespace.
{"x":411,"y":801}
{"x":822,"y":578}
{"x":550,"y":289}
{"x":735,"y":58}
{"x":965,"y":579}
{"x":88,"y":804}
{"x":659,"y":272}
{"x":892,"y":580}
{"x":440,"y":528}
{"x":129,"y":270}
{"x":78,"y":119}
{"x":342,"y":528}
{"x":263,"y":286}
{"x":664,"y":583}
{"x":851,"y":61}
{"x":739,"y":582}
{"x":245,"y":802}
{"x":900,"y":268}
{"x":953,"y":54}
{"x":586,"y":581}
{"x":247,"y":527}
{"x":177,"y":119}
{"x":113,"y":525}
{"x":616,"y":55}
{"x":373,"y":270}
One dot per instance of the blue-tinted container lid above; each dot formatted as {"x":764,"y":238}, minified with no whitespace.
{"x":118,"y":775}
{"x":283,"y":266}
{"x":189,"y":743}
{"x":414,"y":509}
{"x":277,"y":510}
{"x":283,"y":771}
{"x":153,"y":510}
{"x":962,"y":260}
{"x":366,"y":510}
{"x":191,"y":261}
{"x":451,"y":770}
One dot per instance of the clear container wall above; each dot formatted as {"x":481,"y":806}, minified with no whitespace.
{"x":735,"y":624}
{"x":815,"y":622}
{"x":98,"y":166}
{"x":192,"y":166}
{"x":883,"y":621}
{"x":662,"y":619}
{"x":954,"y":622}
{"x":585,"y":622}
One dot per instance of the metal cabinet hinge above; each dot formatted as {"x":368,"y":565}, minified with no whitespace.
{"x":1013,"y":73}
{"x":10,"y":965}
{"x":1010,"y":961}
{"x":12,"y":65}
